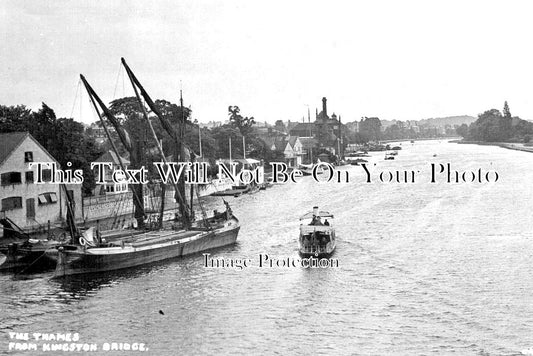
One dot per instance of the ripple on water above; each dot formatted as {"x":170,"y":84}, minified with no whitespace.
{"x":424,"y":269}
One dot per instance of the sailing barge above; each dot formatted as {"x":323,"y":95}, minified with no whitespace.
{"x":93,"y":255}
{"x":145,"y":248}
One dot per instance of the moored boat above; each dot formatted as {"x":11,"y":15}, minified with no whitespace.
{"x":306,"y":169}
{"x":235,"y":191}
{"x":358,"y":161}
{"x":317,"y":237}
{"x":23,"y":251}
{"x":145,"y":248}
{"x":29,"y":255}
{"x":90,"y":253}
{"x":3,"y":259}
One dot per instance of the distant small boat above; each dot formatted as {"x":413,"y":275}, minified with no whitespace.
{"x":396,"y":148}
{"x":358,"y":161}
{"x":30,"y":253}
{"x":412,"y":141}
{"x":317,"y":237}
{"x":265,"y":185}
{"x":306,"y":169}
{"x":254,"y":189}
{"x":235,"y":191}
{"x":358,"y":154}
{"x":341,"y":163}
{"x":388,"y":157}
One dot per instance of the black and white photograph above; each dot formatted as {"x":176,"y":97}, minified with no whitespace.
{"x":203,"y":177}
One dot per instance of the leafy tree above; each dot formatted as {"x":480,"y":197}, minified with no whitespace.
{"x":63,"y":138}
{"x":243,"y":124}
{"x":370,"y":128}
{"x":280,"y":126}
{"x":492,"y":126}
{"x":14,"y":118}
{"x":222,"y":135}
{"x":393,"y":132}
{"x":506,"y":111}
{"x":462,"y":130}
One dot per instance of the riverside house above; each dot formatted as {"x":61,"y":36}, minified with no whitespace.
{"x":32,"y":207}
{"x":291,"y":146}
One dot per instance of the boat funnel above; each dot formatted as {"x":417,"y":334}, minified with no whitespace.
{"x":315,"y":211}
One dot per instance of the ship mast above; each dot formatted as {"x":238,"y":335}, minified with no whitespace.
{"x":133,"y":148}
{"x":177,"y":136}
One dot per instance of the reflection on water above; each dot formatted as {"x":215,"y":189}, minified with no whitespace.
{"x":424,"y":268}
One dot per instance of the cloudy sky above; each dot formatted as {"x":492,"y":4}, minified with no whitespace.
{"x":392,"y":59}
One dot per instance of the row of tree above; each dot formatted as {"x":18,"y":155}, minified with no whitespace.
{"x":63,"y":138}
{"x":496,"y":126}
{"x":68,"y":141}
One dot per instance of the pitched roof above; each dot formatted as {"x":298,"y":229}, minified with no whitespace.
{"x":111,"y":156}
{"x":292,"y":140}
{"x":302,"y":126}
{"x":9,"y":142}
{"x":308,"y":142}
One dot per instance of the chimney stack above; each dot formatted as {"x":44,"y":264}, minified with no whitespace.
{"x":324,"y":107}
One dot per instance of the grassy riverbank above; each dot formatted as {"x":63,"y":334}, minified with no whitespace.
{"x":508,"y":145}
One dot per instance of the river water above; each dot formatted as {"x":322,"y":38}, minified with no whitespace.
{"x":424,"y":268}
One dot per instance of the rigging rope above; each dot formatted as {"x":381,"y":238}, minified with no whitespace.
{"x":116,"y":82}
{"x":75,"y":98}
{"x":37,"y":259}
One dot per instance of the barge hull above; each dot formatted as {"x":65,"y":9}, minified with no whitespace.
{"x":71,"y":262}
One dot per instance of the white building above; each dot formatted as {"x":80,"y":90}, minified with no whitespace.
{"x":31,"y":206}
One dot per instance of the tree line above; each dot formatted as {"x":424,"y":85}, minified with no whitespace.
{"x":496,"y":126}
{"x":69,"y":141}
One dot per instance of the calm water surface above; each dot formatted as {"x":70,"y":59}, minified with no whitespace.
{"x":423,"y":269}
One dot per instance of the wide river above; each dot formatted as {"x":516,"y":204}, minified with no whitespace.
{"x":424,"y":268}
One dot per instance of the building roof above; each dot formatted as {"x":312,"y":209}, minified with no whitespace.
{"x":111,"y":156}
{"x":303,"y":126}
{"x":292,"y":140}
{"x":308,"y":142}
{"x":9,"y":142}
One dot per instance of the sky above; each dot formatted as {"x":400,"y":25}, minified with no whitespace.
{"x":403,"y":60}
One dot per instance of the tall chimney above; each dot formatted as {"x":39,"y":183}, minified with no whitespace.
{"x":324,"y":107}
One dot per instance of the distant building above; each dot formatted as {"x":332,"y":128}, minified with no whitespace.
{"x":309,"y":149}
{"x":110,"y":187}
{"x":329,"y":132}
{"x":303,"y":129}
{"x":291,"y":146}
{"x":353,"y":126}
{"x":97,"y":132}
{"x":210,"y":124}
{"x":31,"y":206}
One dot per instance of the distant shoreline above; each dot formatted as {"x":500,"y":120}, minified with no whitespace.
{"x":508,"y":145}
{"x":422,"y":139}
